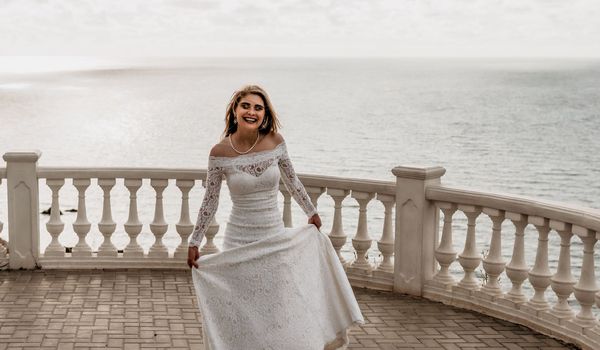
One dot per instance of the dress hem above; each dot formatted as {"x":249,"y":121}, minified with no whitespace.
{"x":341,"y":340}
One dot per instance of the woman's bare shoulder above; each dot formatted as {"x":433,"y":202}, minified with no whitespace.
{"x":270,"y":141}
{"x":221,"y":149}
{"x":276,"y":137}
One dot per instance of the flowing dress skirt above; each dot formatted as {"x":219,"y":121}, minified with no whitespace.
{"x":286,"y":291}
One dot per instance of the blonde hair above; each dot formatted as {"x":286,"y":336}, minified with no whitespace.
{"x":270,"y":122}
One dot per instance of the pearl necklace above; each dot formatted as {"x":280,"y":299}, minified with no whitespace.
{"x":249,"y":149}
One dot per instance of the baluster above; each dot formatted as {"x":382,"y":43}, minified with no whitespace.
{"x":445,"y":253}
{"x":337,"y":236}
{"x":106,"y":226}
{"x":540,"y":275}
{"x":493,"y":264}
{"x":184,"y":226}
{"x":81,"y":226}
{"x":386,"y":243}
{"x":517,"y":270}
{"x":586,"y":287}
{"x":159,"y":226}
{"x":563,"y":281}
{"x":314,"y":193}
{"x":133,"y":226}
{"x":287,"y":206}
{"x":362,"y":241}
{"x":55,"y":226}
{"x":470,"y":258}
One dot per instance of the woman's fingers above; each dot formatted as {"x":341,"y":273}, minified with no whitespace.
{"x":315,"y":220}
{"x":193,"y":255}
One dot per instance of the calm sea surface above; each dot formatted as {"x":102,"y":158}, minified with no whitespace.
{"x":527,"y":127}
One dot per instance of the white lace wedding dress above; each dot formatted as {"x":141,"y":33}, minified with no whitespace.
{"x":271,"y":287}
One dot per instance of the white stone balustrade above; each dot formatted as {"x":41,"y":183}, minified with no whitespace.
{"x":558,"y":320}
{"x":107,"y":225}
{"x":55,"y":226}
{"x":337,"y":236}
{"x":81,"y":226}
{"x":184,"y":226}
{"x":26,"y":179}
{"x":133,"y":226}
{"x":517,"y":270}
{"x":159,"y":226}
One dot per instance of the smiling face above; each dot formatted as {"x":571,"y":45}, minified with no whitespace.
{"x":251,"y":109}
{"x":250,"y":112}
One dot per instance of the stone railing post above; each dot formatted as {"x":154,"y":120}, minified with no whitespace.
{"x":416,"y":228}
{"x":23,"y":208}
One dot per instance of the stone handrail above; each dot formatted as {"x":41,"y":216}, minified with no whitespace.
{"x":557,"y":318}
{"x":577,"y":215}
{"x":359,"y":185}
{"x":56,"y":173}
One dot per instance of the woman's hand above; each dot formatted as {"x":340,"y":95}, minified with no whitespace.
{"x":193,"y":255}
{"x":315,"y":220}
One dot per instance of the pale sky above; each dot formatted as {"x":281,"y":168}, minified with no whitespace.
{"x":355,"y":28}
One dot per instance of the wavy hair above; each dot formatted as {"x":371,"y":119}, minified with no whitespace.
{"x":270,"y":122}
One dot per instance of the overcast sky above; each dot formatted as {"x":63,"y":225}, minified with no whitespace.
{"x":438,"y":28}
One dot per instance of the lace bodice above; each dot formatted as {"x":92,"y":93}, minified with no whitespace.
{"x":253,"y":181}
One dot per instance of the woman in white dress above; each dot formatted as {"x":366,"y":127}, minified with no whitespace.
{"x":271,"y":287}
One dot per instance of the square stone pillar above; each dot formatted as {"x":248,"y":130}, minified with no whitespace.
{"x":23,"y":209}
{"x":416,"y":228}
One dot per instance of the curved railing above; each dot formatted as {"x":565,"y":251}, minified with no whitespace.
{"x":404,"y":258}
{"x":553,"y":315}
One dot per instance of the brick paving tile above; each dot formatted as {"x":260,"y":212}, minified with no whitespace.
{"x":156,"y":309}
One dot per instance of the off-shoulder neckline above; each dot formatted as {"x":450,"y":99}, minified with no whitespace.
{"x":251,"y":153}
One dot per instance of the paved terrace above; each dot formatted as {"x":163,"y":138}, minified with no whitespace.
{"x":138,"y":309}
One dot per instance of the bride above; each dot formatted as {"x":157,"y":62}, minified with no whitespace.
{"x":271,"y":287}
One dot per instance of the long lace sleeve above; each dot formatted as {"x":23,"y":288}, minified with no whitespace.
{"x":293,"y":184}
{"x":214,"y":178}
